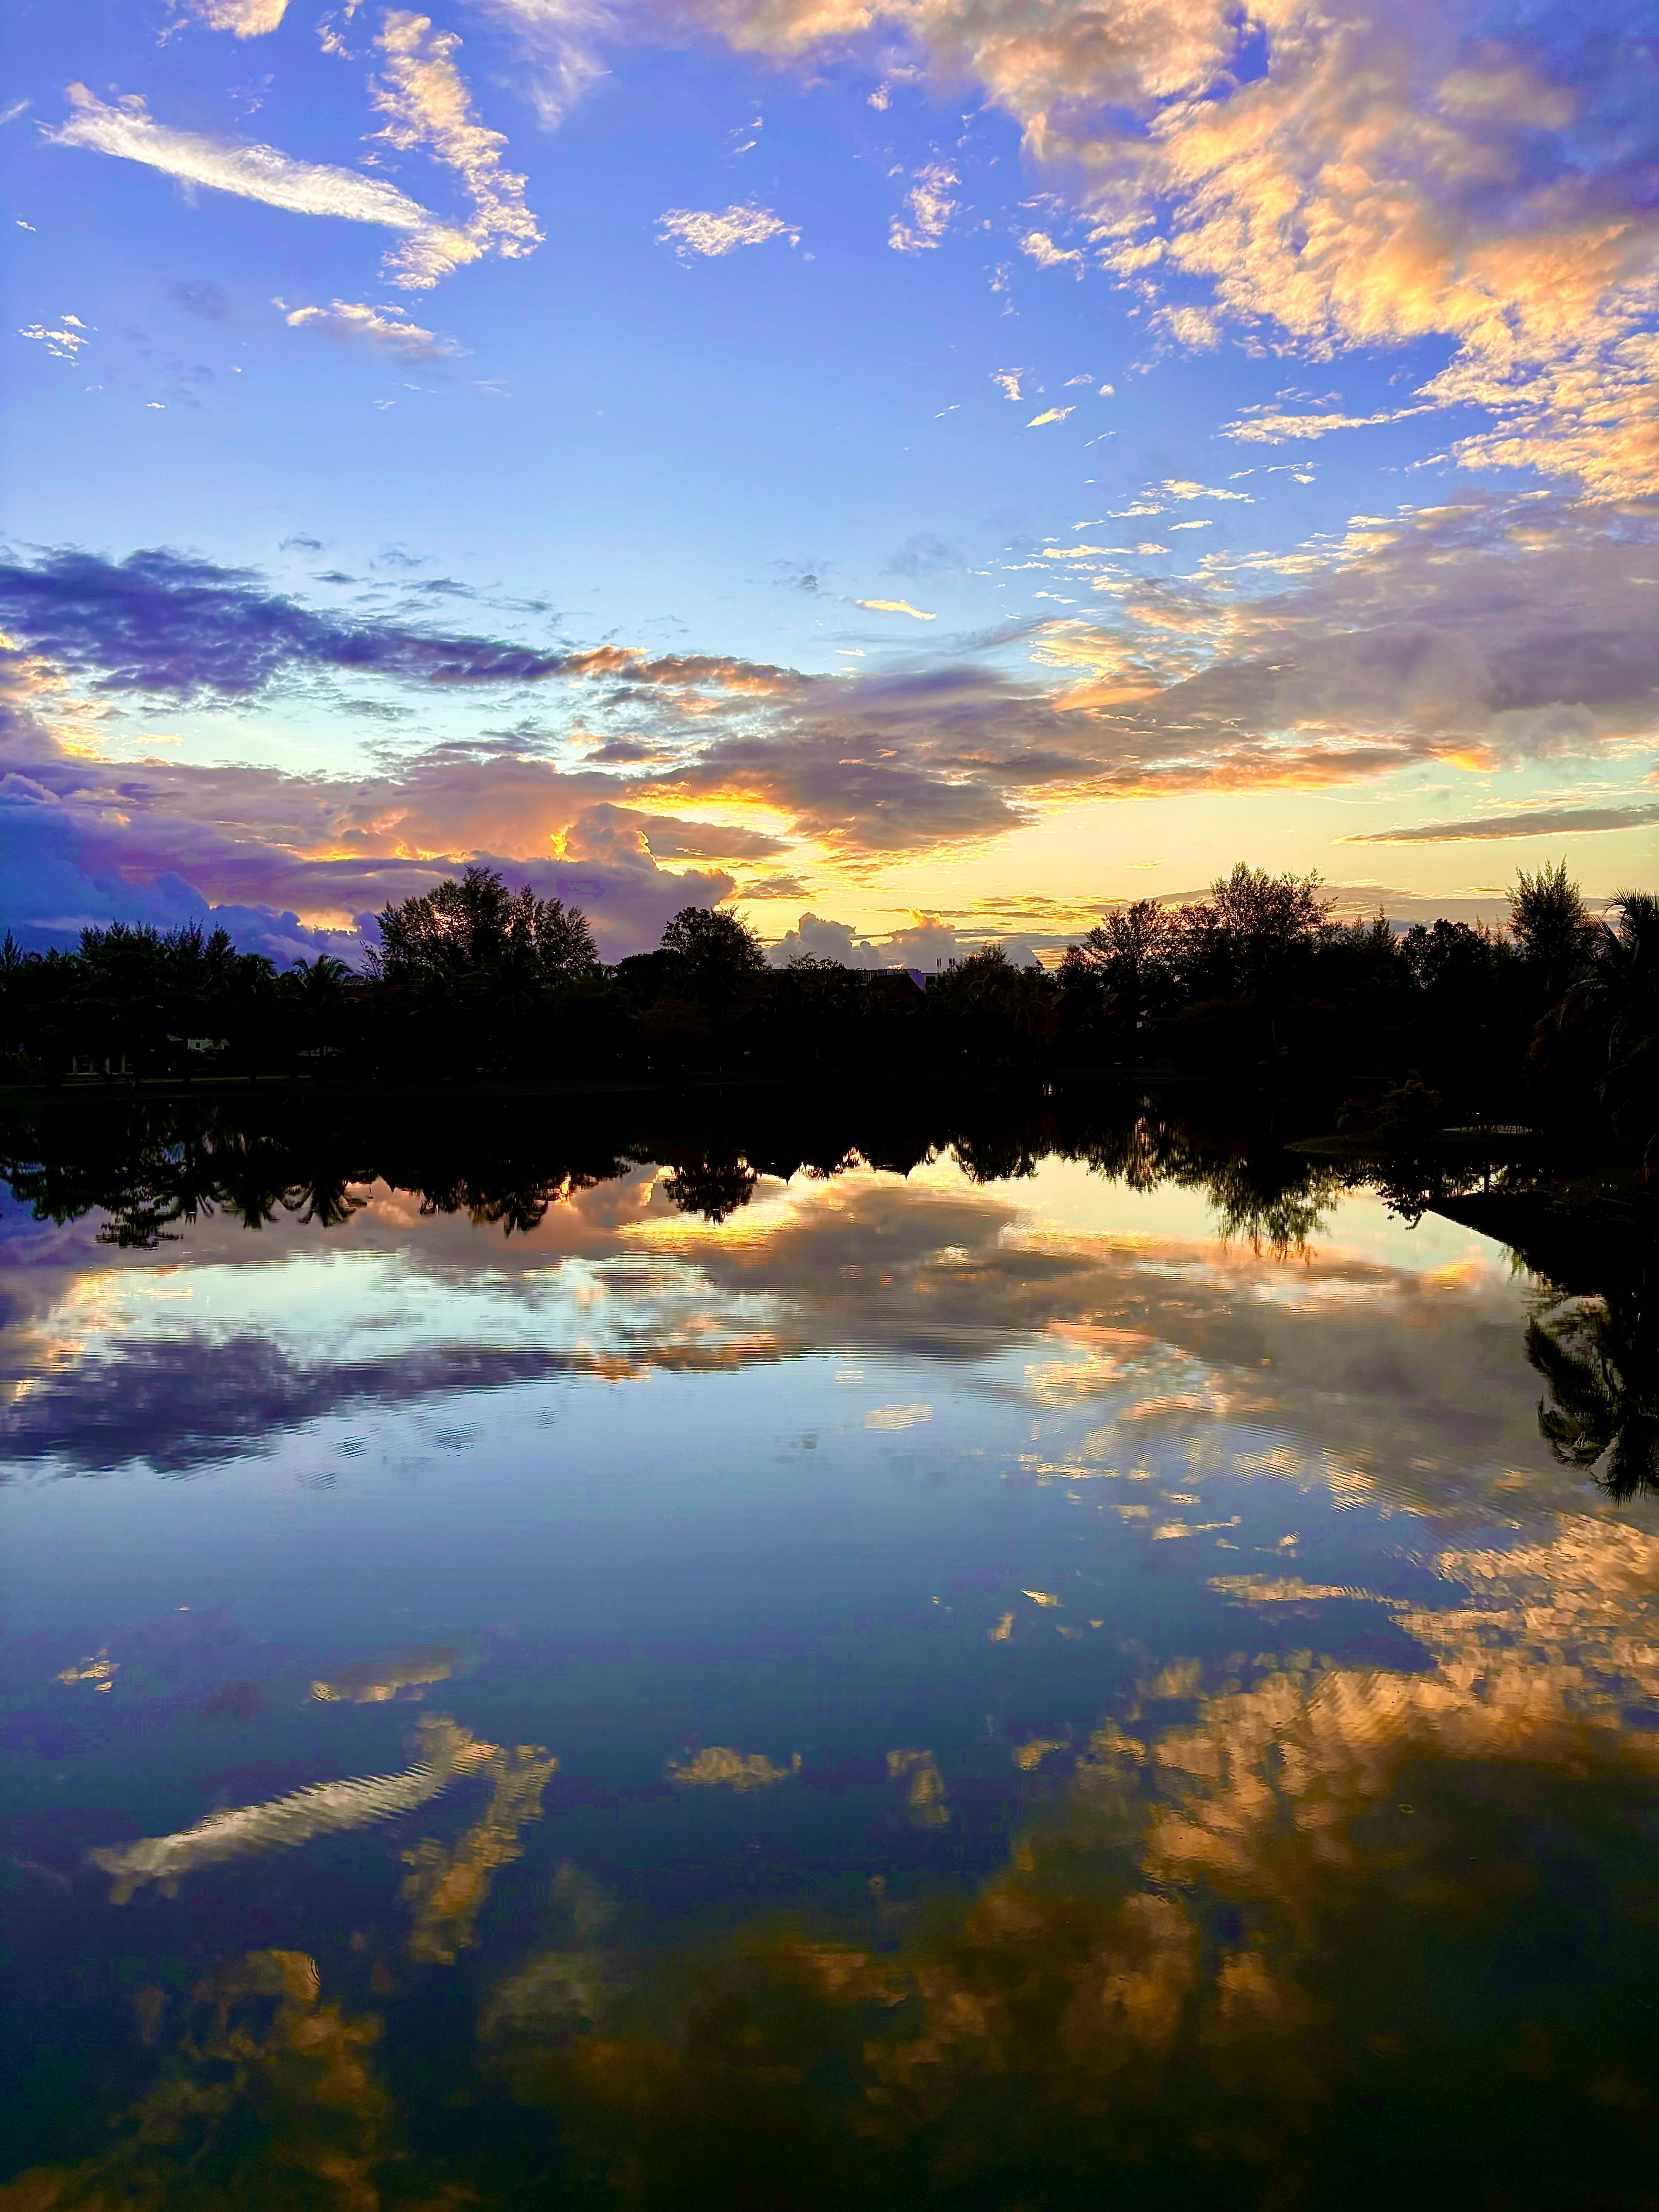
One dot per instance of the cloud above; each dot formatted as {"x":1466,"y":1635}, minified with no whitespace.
{"x":1489,"y":634}
{"x":261,"y":172}
{"x":1196,"y":328}
{"x":1007,"y":382}
{"x":62,"y":341}
{"x":1185,"y":488}
{"x":1049,"y":414}
{"x":430,"y":110}
{"x":243,"y":19}
{"x":1037,"y":246}
{"x":1537,"y":821}
{"x":931,"y":209}
{"x":557,"y":39}
{"x":926,"y":942}
{"x":1271,"y":427}
{"x":161,"y":622}
{"x":286,"y":861}
{"x":694,"y":230}
{"x":894,"y":607}
{"x":1337,"y":176}
{"x":386,"y":329}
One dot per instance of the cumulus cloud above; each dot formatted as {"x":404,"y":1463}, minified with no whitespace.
{"x":931,"y":208}
{"x":126,"y":131}
{"x":1536,"y":822}
{"x":927,"y":943}
{"x":429,"y":110}
{"x":287,"y":862}
{"x":1037,"y":246}
{"x":1196,"y":328}
{"x":698,"y":230}
{"x":387,"y":330}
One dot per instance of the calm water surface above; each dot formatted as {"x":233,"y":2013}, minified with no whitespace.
{"x":974,"y":1692}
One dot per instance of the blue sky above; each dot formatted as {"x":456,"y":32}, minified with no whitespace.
{"x":937,"y":469}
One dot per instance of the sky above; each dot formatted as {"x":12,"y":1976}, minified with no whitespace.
{"x":922,"y":471}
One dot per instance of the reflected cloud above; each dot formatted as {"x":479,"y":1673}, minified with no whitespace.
{"x":1171,"y":1294}
{"x":448,"y":1889}
{"x":376,"y":1682}
{"x":269,"y":2098}
{"x":101,"y":1670}
{"x":1212,"y":1955}
{"x":718,"y":1766}
{"x":447,"y":1751}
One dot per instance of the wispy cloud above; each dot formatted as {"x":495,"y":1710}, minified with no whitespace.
{"x":558,"y":39}
{"x":386,"y":329}
{"x":429,"y":110}
{"x":894,"y":607}
{"x":257,"y":172}
{"x":698,"y":230}
{"x":243,"y":19}
{"x":1536,"y":822}
{"x":1186,"y":488}
{"x":1049,"y":414}
{"x":931,"y":208}
{"x":1274,"y":426}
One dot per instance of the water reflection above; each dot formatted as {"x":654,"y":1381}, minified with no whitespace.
{"x":946,"y":1263}
{"x":448,"y":1889}
{"x":1599,"y":1359}
{"x":445,"y":1752}
{"x":986,"y":1662}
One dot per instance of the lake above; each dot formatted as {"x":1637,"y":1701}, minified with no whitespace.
{"x":1065,"y":1660}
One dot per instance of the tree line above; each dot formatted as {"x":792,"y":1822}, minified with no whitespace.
{"x":1552,"y":1017}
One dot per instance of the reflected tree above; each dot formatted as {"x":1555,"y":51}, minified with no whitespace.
{"x":1599,"y":1358}
{"x":716,"y":1188}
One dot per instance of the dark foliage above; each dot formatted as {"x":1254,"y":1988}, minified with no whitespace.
{"x":1386,"y":1033}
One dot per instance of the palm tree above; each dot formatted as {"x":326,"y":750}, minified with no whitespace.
{"x":1620,"y":992}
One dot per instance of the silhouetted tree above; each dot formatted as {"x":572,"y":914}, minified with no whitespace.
{"x":474,"y":926}
{"x":1129,"y":957}
{"x":717,"y":952}
{"x":1610,"y":1016}
{"x":1551,"y":927}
